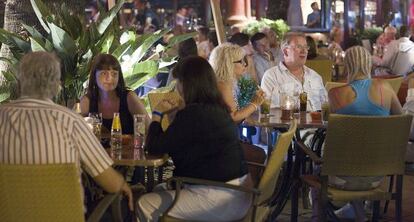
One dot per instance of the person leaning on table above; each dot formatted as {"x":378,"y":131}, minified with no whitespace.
{"x":35,"y":130}
{"x":203,"y":143}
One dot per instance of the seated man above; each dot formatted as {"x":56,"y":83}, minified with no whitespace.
{"x":37,"y":131}
{"x":263,"y":57}
{"x":292,"y":76}
{"x":399,"y":56}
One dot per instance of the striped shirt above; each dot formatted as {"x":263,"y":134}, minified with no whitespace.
{"x":42,"y":132}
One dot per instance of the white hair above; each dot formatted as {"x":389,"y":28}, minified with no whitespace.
{"x":222,"y":60}
{"x":39,"y":75}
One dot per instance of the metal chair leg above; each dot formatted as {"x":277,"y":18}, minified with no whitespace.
{"x":390,"y":186}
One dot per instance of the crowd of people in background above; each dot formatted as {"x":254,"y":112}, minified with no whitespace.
{"x":206,"y":76}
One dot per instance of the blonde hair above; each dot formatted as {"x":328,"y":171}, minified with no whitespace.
{"x":357,"y":61}
{"x":39,"y":75}
{"x":222,"y":60}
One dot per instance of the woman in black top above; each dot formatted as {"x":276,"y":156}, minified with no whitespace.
{"x":107,"y":94}
{"x":203,"y":143}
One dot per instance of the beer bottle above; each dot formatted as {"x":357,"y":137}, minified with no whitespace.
{"x":116,"y":133}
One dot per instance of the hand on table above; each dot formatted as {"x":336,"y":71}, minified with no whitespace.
{"x":259,"y":97}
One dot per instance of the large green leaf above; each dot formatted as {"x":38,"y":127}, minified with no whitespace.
{"x":71,"y":24}
{"x":179,"y":38}
{"x":144,"y":47}
{"x":62,"y":41}
{"x":105,"y":43}
{"x":4,"y":94}
{"x":141,"y":73}
{"x":32,"y":31}
{"x":121,"y":50}
{"x":106,"y":19}
{"x":165,"y":62}
{"x":41,"y":12}
{"x":14,"y":41}
{"x":10,"y":75}
{"x":36,"y":45}
{"x":84,"y":41}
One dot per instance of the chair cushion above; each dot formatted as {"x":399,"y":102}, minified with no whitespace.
{"x":345,"y":195}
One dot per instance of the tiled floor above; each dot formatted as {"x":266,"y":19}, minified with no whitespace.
{"x":408,"y":206}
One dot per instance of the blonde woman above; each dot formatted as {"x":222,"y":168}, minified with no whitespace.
{"x":363,"y":95}
{"x":229,"y":63}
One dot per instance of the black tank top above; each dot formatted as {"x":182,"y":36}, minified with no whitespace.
{"x":127,"y":122}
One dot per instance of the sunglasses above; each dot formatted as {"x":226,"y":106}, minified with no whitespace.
{"x":243,"y":61}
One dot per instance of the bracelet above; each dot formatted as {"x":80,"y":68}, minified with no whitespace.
{"x":160,"y":114}
{"x":255,"y":106}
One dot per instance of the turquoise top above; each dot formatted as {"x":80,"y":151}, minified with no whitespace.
{"x":362,"y":105}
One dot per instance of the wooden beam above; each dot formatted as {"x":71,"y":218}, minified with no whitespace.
{"x":218,"y":21}
{"x":111,"y":4}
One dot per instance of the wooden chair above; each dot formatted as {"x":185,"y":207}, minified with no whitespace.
{"x":331,"y":85}
{"x":262,"y":193}
{"x":361,"y":146}
{"x":47,"y":193}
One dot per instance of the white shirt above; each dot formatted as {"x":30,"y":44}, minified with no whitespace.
{"x":398,"y":56}
{"x":41,"y":132}
{"x":279,"y":79}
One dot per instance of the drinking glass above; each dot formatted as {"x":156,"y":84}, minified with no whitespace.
{"x":139,"y":131}
{"x":96,"y":124}
{"x":325,"y":112}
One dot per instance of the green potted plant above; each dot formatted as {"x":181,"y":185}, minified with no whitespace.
{"x":76,"y":43}
{"x":279,"y":26}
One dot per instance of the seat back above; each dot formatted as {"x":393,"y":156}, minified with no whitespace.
{"x":365,"y":145}
{"x":395,"y":83}
{"x":331,"y":85}
{"x":40,"y":193}
{"x":271,"y":172}
{"x":323,"y":67}
{"x":154,"y":97}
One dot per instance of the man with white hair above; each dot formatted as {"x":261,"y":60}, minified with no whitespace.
{"x":398,"y":57}
{"x":291,"y":76}
{"x":34,"y":130}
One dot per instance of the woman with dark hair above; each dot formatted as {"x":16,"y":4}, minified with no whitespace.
{"x":185,"y":48}
{"x":202,"y":140}
{"x":313,"y":51}
{"x":107,"y":94}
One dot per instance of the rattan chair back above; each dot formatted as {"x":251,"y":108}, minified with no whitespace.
{"x":271,"y":172}
{"x":395,"y":83}
{"x":323,"y":67}
{"x":49,"y":192}
{"x":365,"y":145}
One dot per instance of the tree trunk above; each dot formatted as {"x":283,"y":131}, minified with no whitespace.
{"x":21,"y":11}
{"x":278,"y":9}
{"x":2,"y":5}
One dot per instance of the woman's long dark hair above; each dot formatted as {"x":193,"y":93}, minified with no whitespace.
{"x":104,"y":62}
{"x":198,"y":81}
